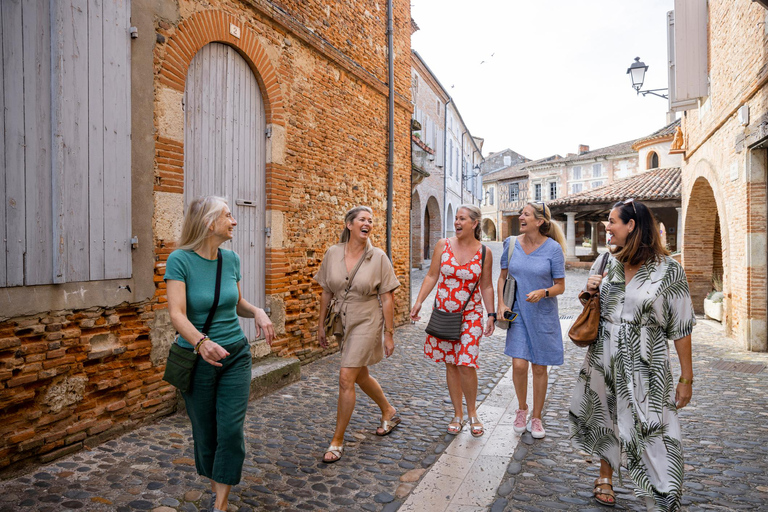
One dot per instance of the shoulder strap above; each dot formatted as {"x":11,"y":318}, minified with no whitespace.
{"x":215,"y":295}
{"x":603,"y":263}
{"x":352,"y":276}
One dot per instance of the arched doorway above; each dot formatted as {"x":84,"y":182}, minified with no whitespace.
{"x":433,"y":228}
{"x":449,"y":232}
{"x":703,"y":248}
{"x":224,"y":154}
{"x":416,"y":231}
{"x":426,"y":224}
{"x":489,"y":230}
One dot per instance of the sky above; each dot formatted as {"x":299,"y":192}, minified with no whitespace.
{"x":541,"y":77}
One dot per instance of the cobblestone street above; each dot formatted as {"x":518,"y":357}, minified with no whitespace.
{"x":152,"y":468}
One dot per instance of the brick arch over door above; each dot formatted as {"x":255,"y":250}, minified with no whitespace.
{"x":207,"y":27}
{"x":702,"y":217}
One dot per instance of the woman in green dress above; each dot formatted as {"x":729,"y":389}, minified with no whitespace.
{"x":625,"y":400}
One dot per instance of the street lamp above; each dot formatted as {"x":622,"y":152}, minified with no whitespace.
{"x":637,"y":73}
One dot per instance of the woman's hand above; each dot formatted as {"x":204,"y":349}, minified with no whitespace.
{"x":212,"y":352}
{"x":490,"y":326}
{"x":593,"y":282}
{"x":415,"y":312}
{"x":535,"y":296}
{"x":264,"y":325}
{"x":389,"y":344}
{"x":683,"y":394}
{"x":321,"y":339}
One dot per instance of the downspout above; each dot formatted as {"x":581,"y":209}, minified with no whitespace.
{"x":461,"y":181}
{"x":444,"y":222}
{"x":390,"y":128}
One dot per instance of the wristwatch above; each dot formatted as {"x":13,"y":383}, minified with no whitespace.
{"x":546,"y":292}
{"x":493,"y":315}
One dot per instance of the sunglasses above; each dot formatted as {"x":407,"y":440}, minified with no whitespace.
{"x":631,"y":201}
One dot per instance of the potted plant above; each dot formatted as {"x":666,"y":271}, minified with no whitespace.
{"x":587,"y":242}
{"x":713,"y":304}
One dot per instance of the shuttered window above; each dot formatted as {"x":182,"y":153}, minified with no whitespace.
{"x":65,"y":153}
{"x":687,"y":54}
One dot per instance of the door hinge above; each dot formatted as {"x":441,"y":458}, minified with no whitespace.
{"x":267,"y":231}
{"x":268,"y":132}
{"x":134,"y":242}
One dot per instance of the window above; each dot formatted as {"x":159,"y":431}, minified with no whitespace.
{"x":67,"y":156}
{"x":575,"y":188}
{"x":576,"y":173}
{"x":450,"y":158}
{"x":507,"y":160}
{"x":653,"y":160}
{"x":553,"y":190}
{"x":514,"y":192}
{"x":598,"y":183}
{"x":490,"y":195}
{"x":537,"y":192}
{"x":597,"y":170}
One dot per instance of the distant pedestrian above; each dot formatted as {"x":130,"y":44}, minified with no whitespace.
{"x":358,"y":283}
{"x":624,"y":400}
{"x":538,"y":266}
{"x":218,"y":398}
{"x":464,"y":278}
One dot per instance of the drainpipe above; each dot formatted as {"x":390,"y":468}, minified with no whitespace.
{"x":461,"y":181}
{"x":444,"y":222}
{"x":390,"y":128}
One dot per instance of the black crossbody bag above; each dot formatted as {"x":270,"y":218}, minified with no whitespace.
{"x":445,"y":325}
{"x":181,"y":361}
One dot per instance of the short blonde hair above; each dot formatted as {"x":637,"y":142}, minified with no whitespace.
{"x":202,"y":212}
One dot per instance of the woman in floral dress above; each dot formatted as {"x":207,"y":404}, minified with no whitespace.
{"x":625,"y":400}
{"x":457,"y":281}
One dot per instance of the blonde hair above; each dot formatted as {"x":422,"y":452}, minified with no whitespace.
{"x":476,"y":215}
{"x":549,"y":227}
{"x":202,"y":212}
{"x":349,"y":217}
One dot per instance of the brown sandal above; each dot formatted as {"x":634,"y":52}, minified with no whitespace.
{"x":598,"y":491}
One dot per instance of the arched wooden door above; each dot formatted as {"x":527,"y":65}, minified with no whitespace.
{"x":427,"y":222}
{"x":224,"y":154}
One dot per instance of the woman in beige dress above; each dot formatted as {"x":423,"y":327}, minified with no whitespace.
{"x":367,"y":308}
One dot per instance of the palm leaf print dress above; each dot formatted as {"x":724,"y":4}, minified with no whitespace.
{"x":624,"y":399}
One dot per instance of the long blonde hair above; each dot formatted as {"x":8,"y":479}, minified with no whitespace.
{"x":476,"y":215}
{"x":349,"y":217}
{"x":549,"y":227}
{"x":202,"y":212}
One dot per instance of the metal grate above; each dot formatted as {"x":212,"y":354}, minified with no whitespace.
{"x":737,"y":366}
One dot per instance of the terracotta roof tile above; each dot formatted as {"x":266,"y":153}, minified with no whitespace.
{"x":653,"y":185}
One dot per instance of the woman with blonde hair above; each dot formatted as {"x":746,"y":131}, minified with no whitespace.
{"x":464,"y":269}
{"x":534,"y":337}
{"x":218,"y":397}
{"x":358,"y":283}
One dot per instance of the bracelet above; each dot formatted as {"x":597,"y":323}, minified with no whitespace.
{"x":683,"y":380}
{"x":495,"y":317}
{"x":389,"y":331}
{"x":200,"y":343}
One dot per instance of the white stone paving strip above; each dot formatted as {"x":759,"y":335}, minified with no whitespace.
{"x":468,"y":473}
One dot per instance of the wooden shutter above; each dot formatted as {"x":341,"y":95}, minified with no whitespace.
{"x":65,"y":153}
{"x":687,"y":48}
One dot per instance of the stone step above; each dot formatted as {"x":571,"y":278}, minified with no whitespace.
{"x":272,"y":373}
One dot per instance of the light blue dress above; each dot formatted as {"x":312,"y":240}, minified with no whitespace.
{"x":535,"y":334}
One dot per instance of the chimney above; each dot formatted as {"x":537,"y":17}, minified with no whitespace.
{"x":583,"y":148}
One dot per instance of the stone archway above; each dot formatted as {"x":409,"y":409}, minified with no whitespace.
{"x":703,"y":248}
{"x":489,"y":230}
{"x":433,"y":230}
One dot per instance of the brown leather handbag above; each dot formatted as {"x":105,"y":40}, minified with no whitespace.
{"x":583,"y":332}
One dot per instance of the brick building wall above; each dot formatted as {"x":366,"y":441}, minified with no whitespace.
{"x":724,"y":171}
{"x":81,"y":363}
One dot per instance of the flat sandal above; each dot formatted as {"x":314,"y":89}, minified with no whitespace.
{"x":604,"y":492}
{"x":388,"y":425}
{"x":475,"y":427}
{"x":455,"y":430}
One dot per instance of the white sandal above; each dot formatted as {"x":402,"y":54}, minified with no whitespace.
{"x":335,"y":451}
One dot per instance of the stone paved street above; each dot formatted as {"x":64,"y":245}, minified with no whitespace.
{"x":286,"y":433}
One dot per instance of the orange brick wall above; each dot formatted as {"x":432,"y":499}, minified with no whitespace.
{"x":719,"y":182}
{"x":74,"y":378}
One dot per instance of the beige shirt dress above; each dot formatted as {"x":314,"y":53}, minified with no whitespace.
{"x":361,"y":312}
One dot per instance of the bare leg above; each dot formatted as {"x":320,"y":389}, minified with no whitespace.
{"x":371,"y":387}
{"x":222,"y":494}
{"x":469,"y":388}
{"x":453,"y":378}
{"x":520,"y":380}
{"x":346,"y":405}
{"x":606,"y":472}
{"x":539,"y":389}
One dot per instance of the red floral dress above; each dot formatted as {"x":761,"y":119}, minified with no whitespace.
{"x":456,"y":282}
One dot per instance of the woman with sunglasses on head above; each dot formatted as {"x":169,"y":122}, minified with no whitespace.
{"x":625,"y":399}
{"x":534,"y":336}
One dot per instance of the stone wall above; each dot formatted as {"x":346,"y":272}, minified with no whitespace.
{"x":724,"y":175}
{"x":74,"y":377}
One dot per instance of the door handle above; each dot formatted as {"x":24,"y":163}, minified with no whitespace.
{"x":245,"y":202}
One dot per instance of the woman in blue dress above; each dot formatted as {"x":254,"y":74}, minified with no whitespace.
{"x":538,"y":266}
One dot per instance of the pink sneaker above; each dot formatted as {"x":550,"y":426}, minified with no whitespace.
{"x":536,"y":428}
{"x":521,"y":417}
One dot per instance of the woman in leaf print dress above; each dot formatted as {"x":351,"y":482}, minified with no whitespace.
{"x":457,"y":280}
{"x":625,"y":400}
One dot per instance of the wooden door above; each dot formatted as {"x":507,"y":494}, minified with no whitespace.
{"x":427,"y":221}
{"x":224,"y":154}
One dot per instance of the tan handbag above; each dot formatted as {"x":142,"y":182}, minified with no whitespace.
{"x":583,"y":332}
